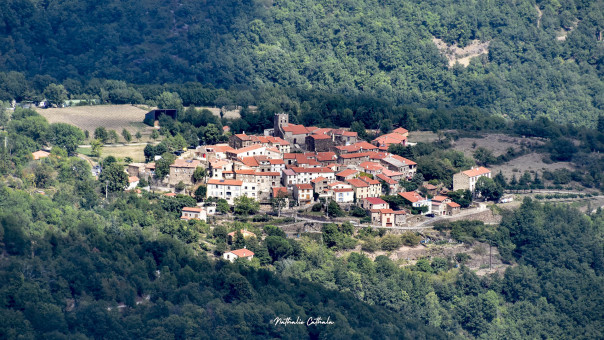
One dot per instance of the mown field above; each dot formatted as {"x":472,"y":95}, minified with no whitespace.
{"x":112,"y":117}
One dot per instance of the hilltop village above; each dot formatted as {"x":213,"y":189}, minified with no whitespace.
{"x":295,"y":167}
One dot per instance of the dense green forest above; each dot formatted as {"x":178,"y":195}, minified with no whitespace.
{"x":76,"y":265}
{"x":380,"y":49}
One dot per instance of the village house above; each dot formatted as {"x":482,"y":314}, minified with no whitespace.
{"x":227,"y":189}
{"x":439,"y":205}
{"x":466,"y":180}
{"x":248,"y":151}
{"x":453,"y":208}
{"x":218,"y":168}
{"x":354,"y":158}
{"x":319,"y":143}
{"x":375,"y":187}
{"x":319,"y":184}
{"x":182,"y":170}
{"x":371,"y":168}
{"x":391,"y":184}
{"x":132,"y":182}
{"x":400,"y":164}
{"x":430,"y":189}
{"x":417,"y":201}
{"x":373,"y":203}
{"x":265,"y":182}
{"x":325,"y":158}
{"x":135,"y":169}
{"x":209,"y":153}
{"x":343,"y":137}
{"x":398,"y":136}
{"x":246,"y":234}
{"x":362,"y":146}
{"x":361,"y":188}
{"x":194,"y":213}
{"x":40,"y":154}
{"x":241,"y":140}
{"x":276,"y":165}
{"x":388,"y":217}
{"x":239,"y":253}
{"x":346,"y":174}
{"x":343,"y":195}
{"x":303,"y":193}
{"x":297,"y":175}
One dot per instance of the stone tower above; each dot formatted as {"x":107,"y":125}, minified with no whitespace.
{"x":280,"y":120}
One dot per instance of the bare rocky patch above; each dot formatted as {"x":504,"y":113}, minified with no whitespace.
{"x":463,"y":55}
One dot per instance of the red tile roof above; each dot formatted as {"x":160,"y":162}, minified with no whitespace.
{"x":249,"y":161}
{"x":375,"y":200}
{"x":453,"y":205}
{"x":326,"y":156}
{"x":355,"y":155}
{"x":219,"y":148}
{"x":403,"y":159}
{"x":317,"y":137}
{"x":371,"y":166}
{"x":247,"y":148}
{"x":319,"y":179}
{"x":243,"y":136}
{"x":357,"y":183}
{"x":346,"y":173}
{"x":279,"y":190}
{"x":439,"y":198}
{"x":304,"y":186}
{"x":311,"y":170}
{"x":401,"y":131}
{"x":476,"y":171}
{"x":343,"y":190}
{"x":133,"y":179}
{"x":40,"y":154}
{"x":386,"y":179}
{"x":369,"y":181}
{"x":296,"y":129}
{"x":225,"y":182}
{"x":411,"y":196}
{"x":244,"y":172}
{"x":243,"y":252}
{"x":192,"y":209}
{"x":267,"y":173}
{"x":386,"y":211}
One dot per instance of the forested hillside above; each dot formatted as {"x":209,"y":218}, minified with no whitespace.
{"x":537,"y":64}
{"x":76,"y":264}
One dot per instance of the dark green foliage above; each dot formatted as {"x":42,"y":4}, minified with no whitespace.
{"x":66,"y":136}
{"x":461,"y":197}
{"x":200,"y":193}
{"x":246,"y":206}
{"x":113,"y":178}
{"x":101,"y":134}
{"x":527,"y":73}
{"x":334,"y":210}
{"x":489,"y":189}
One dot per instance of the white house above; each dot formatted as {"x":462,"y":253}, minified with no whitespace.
{"x":194,"y":213}
{"x":239,"y":253}
{"x":227,"y":189}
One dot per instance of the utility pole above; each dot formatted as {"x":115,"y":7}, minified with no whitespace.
{"x":106,"y":185}
{"x":490,"y":255}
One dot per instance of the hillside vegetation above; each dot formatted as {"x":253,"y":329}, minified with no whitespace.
{"x":377,"y":48}
{"x":76,"y":263}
